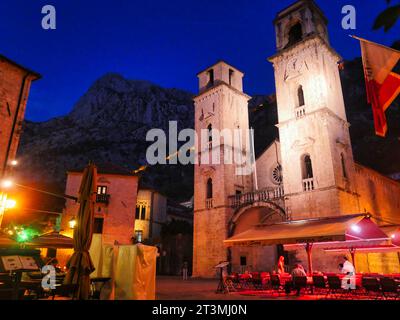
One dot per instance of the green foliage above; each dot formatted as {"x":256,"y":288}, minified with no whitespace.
{"x":20,"y":233}
{"x":388,"y":18}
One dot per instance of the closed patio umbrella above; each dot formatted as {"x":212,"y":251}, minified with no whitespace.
{"x":80,"y":266}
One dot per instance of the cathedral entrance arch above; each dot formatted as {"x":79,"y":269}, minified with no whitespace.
{"x":267,"y":212}
{"x":254,"y":258}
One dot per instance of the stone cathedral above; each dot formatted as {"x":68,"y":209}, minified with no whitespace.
{"x":308,"y":173}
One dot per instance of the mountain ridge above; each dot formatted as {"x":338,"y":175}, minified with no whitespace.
{"x":110,"y":121}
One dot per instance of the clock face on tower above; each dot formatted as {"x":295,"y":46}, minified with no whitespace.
{"x":294,"y":67}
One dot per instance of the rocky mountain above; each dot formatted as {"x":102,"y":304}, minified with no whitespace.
{"x":109,"y":124}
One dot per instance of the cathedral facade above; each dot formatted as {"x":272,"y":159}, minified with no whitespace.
{"x":308,"y":173}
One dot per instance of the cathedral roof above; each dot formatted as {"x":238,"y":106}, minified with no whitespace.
{"x":218,"y":62}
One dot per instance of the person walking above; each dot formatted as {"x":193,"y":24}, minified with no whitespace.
{"x":185,"y":271}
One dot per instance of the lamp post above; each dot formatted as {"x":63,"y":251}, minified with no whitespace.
{"x":72,"y":223}
{"x":6,"y":184}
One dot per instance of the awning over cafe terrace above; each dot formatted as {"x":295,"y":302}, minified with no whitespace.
{"x":317,"y":231}
{"x":392,"y":231}
{"x":346,"y":231}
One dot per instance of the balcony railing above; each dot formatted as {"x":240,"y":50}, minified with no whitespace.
{"x":256,"y":196}
{"x":209,"y":203}
{"x":300,"y":112}
{"x":308,"y":184}
{"x":103,"y":198}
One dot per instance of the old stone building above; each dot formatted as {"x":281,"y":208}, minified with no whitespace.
{"x":15,"y":83}
{"x":309,"y":173}
{"x":117,"y":190}
{"x":127,"y":212}
{"x":150,"y":215}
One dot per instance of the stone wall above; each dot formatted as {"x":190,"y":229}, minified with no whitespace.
{"x":379,"y":195}
{"x":118,"y":215}
{"x":15,"y":83}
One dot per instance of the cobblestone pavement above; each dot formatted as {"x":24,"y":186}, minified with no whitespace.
{"x":174,"y":288}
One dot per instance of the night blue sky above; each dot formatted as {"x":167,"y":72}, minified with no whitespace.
{"x":166,"y":42}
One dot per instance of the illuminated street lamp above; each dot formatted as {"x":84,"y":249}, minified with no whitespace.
{"x":72,"y":223}
{"x":10,"y":204}
{"x":14,"y":163}
{"x":7,"y":184}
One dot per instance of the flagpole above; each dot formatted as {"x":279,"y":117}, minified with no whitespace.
{"x":371,"y":42}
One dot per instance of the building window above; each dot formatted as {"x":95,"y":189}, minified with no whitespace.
{"x":98,"y":225}
{"x":139,"y":235}
{"x":210,"y":77}
{"x":307,"y":167}
{"x":300,"y":96}
{"x":343,"y":161}
{"x":210,"y":137}
{"x":231,"y":72}
{"x":101,"y":190}
{"x":295,"y":34}
{"x":209,"y":189}
{"x":277,"y":174}
{"x":243,"y":261}
{"x":140,"y":213}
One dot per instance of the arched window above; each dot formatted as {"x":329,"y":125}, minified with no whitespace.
{"x":210,"y":137}
{"x":295,"y":34}
{"x":307,"y":167}
{"x":343,"y":161}
{"x":209,"y":128}
{"x":300,"y":96}
{"x":209,"y":188}
{"x":210,"y":78}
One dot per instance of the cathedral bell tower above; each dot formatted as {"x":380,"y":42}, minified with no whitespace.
{"x":317,"y":158}
{"x":220,"y":105}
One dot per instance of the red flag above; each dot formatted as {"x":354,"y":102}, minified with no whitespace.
{"x":383,"y":85}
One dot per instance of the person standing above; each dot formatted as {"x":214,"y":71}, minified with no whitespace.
{"x":185,"y":270}
{"x":281,"y":265}
{"x":349,"y":280}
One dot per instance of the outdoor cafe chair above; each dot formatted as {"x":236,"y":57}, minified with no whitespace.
{"x":335,"y":287}
{"x":6,"y":287}
{"x":319,"y":284}
{"x":65,"y":290}
{"x":276,"y":284}
{"x":371,"y":286}
{"x":256,"y":280}
{"x":245,"y":280}
{"x":390,"y":288}
{"x":265,"y":278}
{"x":234,"y":277}
{"x":300,"y":283}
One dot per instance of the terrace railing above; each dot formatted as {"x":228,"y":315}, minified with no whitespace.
{"x":103,"y":198}
{"x":308,"y":184}
{"x":263,"y":195}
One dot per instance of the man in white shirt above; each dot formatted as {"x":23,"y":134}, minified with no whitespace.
{"x":349,"y":280}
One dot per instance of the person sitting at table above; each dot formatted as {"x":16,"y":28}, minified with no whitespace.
{"x":349,"y":280}
{"x":298,"y":271}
